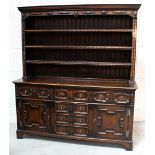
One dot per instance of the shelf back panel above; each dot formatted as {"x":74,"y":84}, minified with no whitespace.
{"x":80,"y":39}
{"x":107,"y":72}
{"x":80,"y":22}
{"x":95,"y":55}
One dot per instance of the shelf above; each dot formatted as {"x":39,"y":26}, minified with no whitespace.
{"x":83,"y":63}
{"x":80,"y":47}
{"x":79,"y":30}
{"x":79,"y":82}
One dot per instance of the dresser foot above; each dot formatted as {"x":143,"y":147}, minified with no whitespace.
{"x":128,"y":146}
{"x":19,"y":134}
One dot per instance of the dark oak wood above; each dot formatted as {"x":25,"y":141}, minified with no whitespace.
{"x":78,"y":73}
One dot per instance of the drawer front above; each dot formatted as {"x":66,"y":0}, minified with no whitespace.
{"x":123,"y":98}
{"x":81,"y":108}
{"x":62,"y":118}
{"x":61,"y":94}
{"x":80,"y":120}
{"x":34,"y":92}
{"x":62,"y":106}
{"x":113,"y":97}
{"x":81,"y":95}
{"x":101,"y":96}
{"x":81,"y":131}
{"x":63,"y":130}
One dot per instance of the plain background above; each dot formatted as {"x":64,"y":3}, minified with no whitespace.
{"x":147,"y":29}
{"x":15,"y":52}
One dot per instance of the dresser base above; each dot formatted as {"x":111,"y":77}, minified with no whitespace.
{"x":128,"y":145}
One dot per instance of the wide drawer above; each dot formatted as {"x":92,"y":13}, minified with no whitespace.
{"x":34,"y":92}
{"x":113,"y":97}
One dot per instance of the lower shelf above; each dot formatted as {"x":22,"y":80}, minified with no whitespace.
{"x":128,"y":145}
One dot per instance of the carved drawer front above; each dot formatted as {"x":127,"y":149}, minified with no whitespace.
{"x":62,"y":106}
{"x":34,"y":115}
{"x":80,"y":120}
{"x":112,"y":122}
{"x":123,"y":98}
{"x":61,"y":94}
{"x":81,"y":95}
{"x":63,"y":118}
{"x":81,"y":108}
{"x":44,"y":93}
{"x":63,"y":130}
{"x":34,"y":92}
{"x":101,"y":97}
{"x":24,"y":91}
{"x":81,"y":131}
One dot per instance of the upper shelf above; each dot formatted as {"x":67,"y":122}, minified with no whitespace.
{"x":79,"y":30}
{"x":80,"y":47}
{"x":85,"y":63}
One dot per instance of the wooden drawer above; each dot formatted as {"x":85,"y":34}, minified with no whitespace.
{"x":61,"y":94}
{"x":62,"y":118}
{"x":64,"y":130}
{"x":113,"y":97}
{"x":81,"y":120}
{"x":101,"y":96}
{"x":62,"y":106}
{"x":81,"y":108}
{"x":123,"y":97}
{"x":81,"y":131}
{"x":81,"y":95}
{"x":35,"y":92}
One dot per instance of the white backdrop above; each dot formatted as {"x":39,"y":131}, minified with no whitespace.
{"x":15,"y":52}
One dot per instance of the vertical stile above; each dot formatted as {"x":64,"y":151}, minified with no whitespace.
{"x":133,"y":52}
{"x":23,"y":46}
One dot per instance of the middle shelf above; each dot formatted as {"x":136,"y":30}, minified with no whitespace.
{"x":83,"y":63}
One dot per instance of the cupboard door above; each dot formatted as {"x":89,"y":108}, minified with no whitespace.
{"x":112,"y":122}
{"x":34,"y":115}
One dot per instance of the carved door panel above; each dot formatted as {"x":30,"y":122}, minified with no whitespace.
{"x":34,"y":115}
{"x":112,"y":122}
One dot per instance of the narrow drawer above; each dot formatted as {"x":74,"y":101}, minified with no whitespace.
{"x":123,"y":97}
{"x":81,"y":131}
{"x":101,"y":96}
{"x":81,"y":108}
{"x":81,"y":95}
{"x":63,"y":130}
{"x":62,"y":118}
{"x":62,"y":106}
{"x":80,"y":120}
{"x":61,"y":94}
